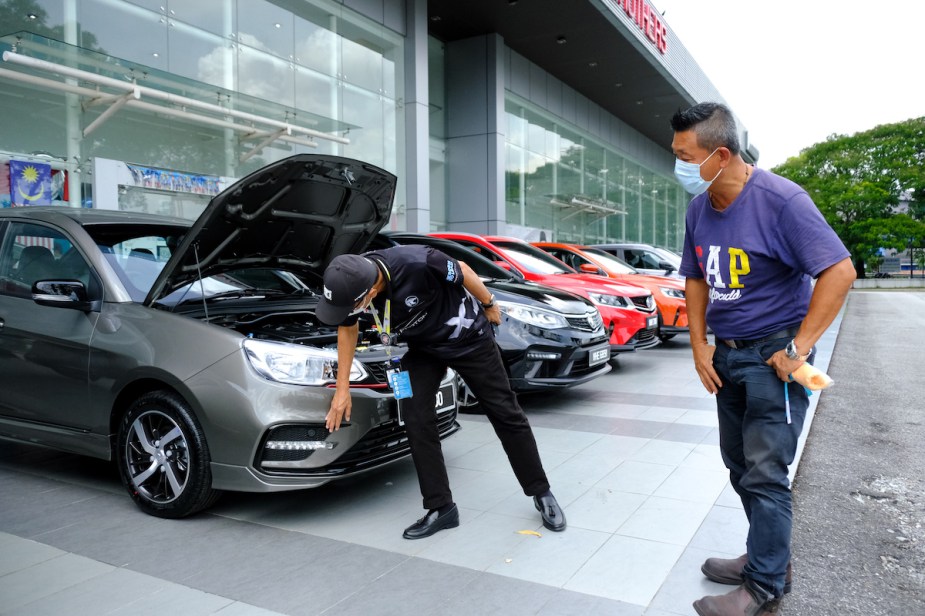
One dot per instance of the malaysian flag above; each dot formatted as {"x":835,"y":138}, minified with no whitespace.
{"x":30,"y":183}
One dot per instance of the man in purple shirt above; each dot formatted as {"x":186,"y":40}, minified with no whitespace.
{"x":753,"y":244}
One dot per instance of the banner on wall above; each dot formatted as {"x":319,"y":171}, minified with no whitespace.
{"x":163,"y":179}
{"x":5,"y":185}
{"x":30,"y":183}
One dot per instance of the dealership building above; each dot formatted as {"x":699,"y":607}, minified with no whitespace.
{"x":531,"y":118}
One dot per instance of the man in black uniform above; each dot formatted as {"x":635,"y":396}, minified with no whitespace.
{"x":442,"y":310}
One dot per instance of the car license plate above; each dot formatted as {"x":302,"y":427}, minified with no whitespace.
{"x":651,"y":322}
{"x":598,"y":356}
{"x":446,"y":399}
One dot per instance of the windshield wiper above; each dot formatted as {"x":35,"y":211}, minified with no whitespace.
{"x":240,"y":293}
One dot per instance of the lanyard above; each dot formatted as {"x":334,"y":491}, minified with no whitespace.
{"x":385,"y":327}
{"x":385,"y":332}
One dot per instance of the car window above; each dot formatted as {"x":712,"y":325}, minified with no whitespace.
{"x":651,"y":260}
{"x":569,"y":258}
{"x":640,"y":258}
{"x":137,"y":261}
{"x":136,"y":253}
{"x":33,"y":252}
{"x":533,"y":259}
{"x":615,"y":264}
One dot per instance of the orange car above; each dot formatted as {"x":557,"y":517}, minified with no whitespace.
{"x":668,"y":292}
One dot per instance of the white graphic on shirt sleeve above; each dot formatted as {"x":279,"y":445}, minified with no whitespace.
{"x":460,"y":322}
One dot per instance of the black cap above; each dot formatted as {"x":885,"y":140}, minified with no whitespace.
{"x":346,"y":280}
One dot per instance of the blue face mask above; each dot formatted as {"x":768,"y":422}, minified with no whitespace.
{"x":688,"y":175}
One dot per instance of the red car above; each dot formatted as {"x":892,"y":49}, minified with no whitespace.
{"x":628,"y":311}
{"x":668,"y":292}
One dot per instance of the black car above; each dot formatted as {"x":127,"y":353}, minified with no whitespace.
{"x":549,"y":338}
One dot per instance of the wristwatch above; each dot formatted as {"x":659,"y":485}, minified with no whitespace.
{"x":793,"y":353}
{"x":491,"y":302}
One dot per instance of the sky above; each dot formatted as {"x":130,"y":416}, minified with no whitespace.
{"x":796,"y":71}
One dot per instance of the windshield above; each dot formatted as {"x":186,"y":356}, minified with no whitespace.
{"x":614,"y":264}
{"x":667,"y":255}
{"x":138,"y":253}
{"x":533,"y":259}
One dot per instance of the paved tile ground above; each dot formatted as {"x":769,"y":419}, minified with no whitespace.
{"x":632,"y":457}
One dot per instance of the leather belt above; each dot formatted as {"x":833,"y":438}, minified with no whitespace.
{"x":790,"y":332}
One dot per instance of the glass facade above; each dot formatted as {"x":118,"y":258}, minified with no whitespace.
{"x":313,"y":63}
{"x":567,"y":184}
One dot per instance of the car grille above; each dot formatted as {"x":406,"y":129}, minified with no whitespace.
{"x":586,"y":322}
{"x":645,"y":303}
{"x":377,"y":371}
{"x":644,"y":337}
{"x":377,"y":375}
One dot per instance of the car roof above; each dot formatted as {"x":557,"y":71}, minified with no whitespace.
{"x":90,"y":216}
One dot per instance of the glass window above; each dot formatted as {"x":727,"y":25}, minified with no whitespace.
{"x":315,"y":47}
{"x":126,"y":31}
{"x":215,"y":16}
{"x":201,"y":55}
{"x":565,"y":182}
{"x":265,"y":76}
{"x":315,"y":61}
{"x":265,"y":27}
{"x":35,"y":252}
{"x":362,"y":66}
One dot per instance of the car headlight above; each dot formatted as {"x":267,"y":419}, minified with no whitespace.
{"x":675,"y":293}
{"x":545,"y":319}
{"x":609,"y":300}
{"x":296,"y":364}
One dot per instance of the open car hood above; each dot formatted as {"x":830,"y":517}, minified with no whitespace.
{"x":295,"y":214}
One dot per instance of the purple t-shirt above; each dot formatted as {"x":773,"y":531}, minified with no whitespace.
{"x":758,"y":256}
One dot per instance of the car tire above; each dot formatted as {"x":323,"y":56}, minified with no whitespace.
{"x":163,"y":457}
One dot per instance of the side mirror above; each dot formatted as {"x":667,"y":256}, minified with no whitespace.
{"x":590,"y":268}
{"x":665,"y":265}
{"x":63,"y":294}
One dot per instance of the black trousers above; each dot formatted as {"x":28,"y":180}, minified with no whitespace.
{"x":483,"y":370}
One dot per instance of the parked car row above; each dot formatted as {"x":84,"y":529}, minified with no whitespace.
{"x":189,"y":353}
{"x":668,"y":292}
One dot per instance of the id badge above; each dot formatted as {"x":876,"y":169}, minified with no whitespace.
{"x":400,"y":382}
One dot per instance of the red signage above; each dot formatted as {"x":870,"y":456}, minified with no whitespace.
{"x":647,"y":19}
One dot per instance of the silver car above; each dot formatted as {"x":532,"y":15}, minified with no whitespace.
{"x":189,"y":353}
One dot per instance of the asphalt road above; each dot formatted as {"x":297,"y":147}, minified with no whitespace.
{"x":859,"y":492}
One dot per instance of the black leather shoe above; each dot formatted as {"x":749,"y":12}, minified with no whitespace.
{"x":431,"y":523}
{"x":553,"y":518}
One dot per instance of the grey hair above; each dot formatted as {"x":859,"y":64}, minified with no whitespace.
{"x":713,"y":123}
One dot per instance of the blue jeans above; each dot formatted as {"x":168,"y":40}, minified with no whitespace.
{"x":757,"y":446}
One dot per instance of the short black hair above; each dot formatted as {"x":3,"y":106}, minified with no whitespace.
{"x":713,"y":123}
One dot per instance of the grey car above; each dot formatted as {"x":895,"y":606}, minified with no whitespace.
{"x":188,"y":352}
{"x":645,"y":258}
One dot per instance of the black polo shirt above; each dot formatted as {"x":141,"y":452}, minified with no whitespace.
{"x":429,"y":305}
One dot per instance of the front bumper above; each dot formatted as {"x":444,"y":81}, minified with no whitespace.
{"x":266,"y":436}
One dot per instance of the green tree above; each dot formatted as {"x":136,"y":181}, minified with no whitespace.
{"x":859,"y":181}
